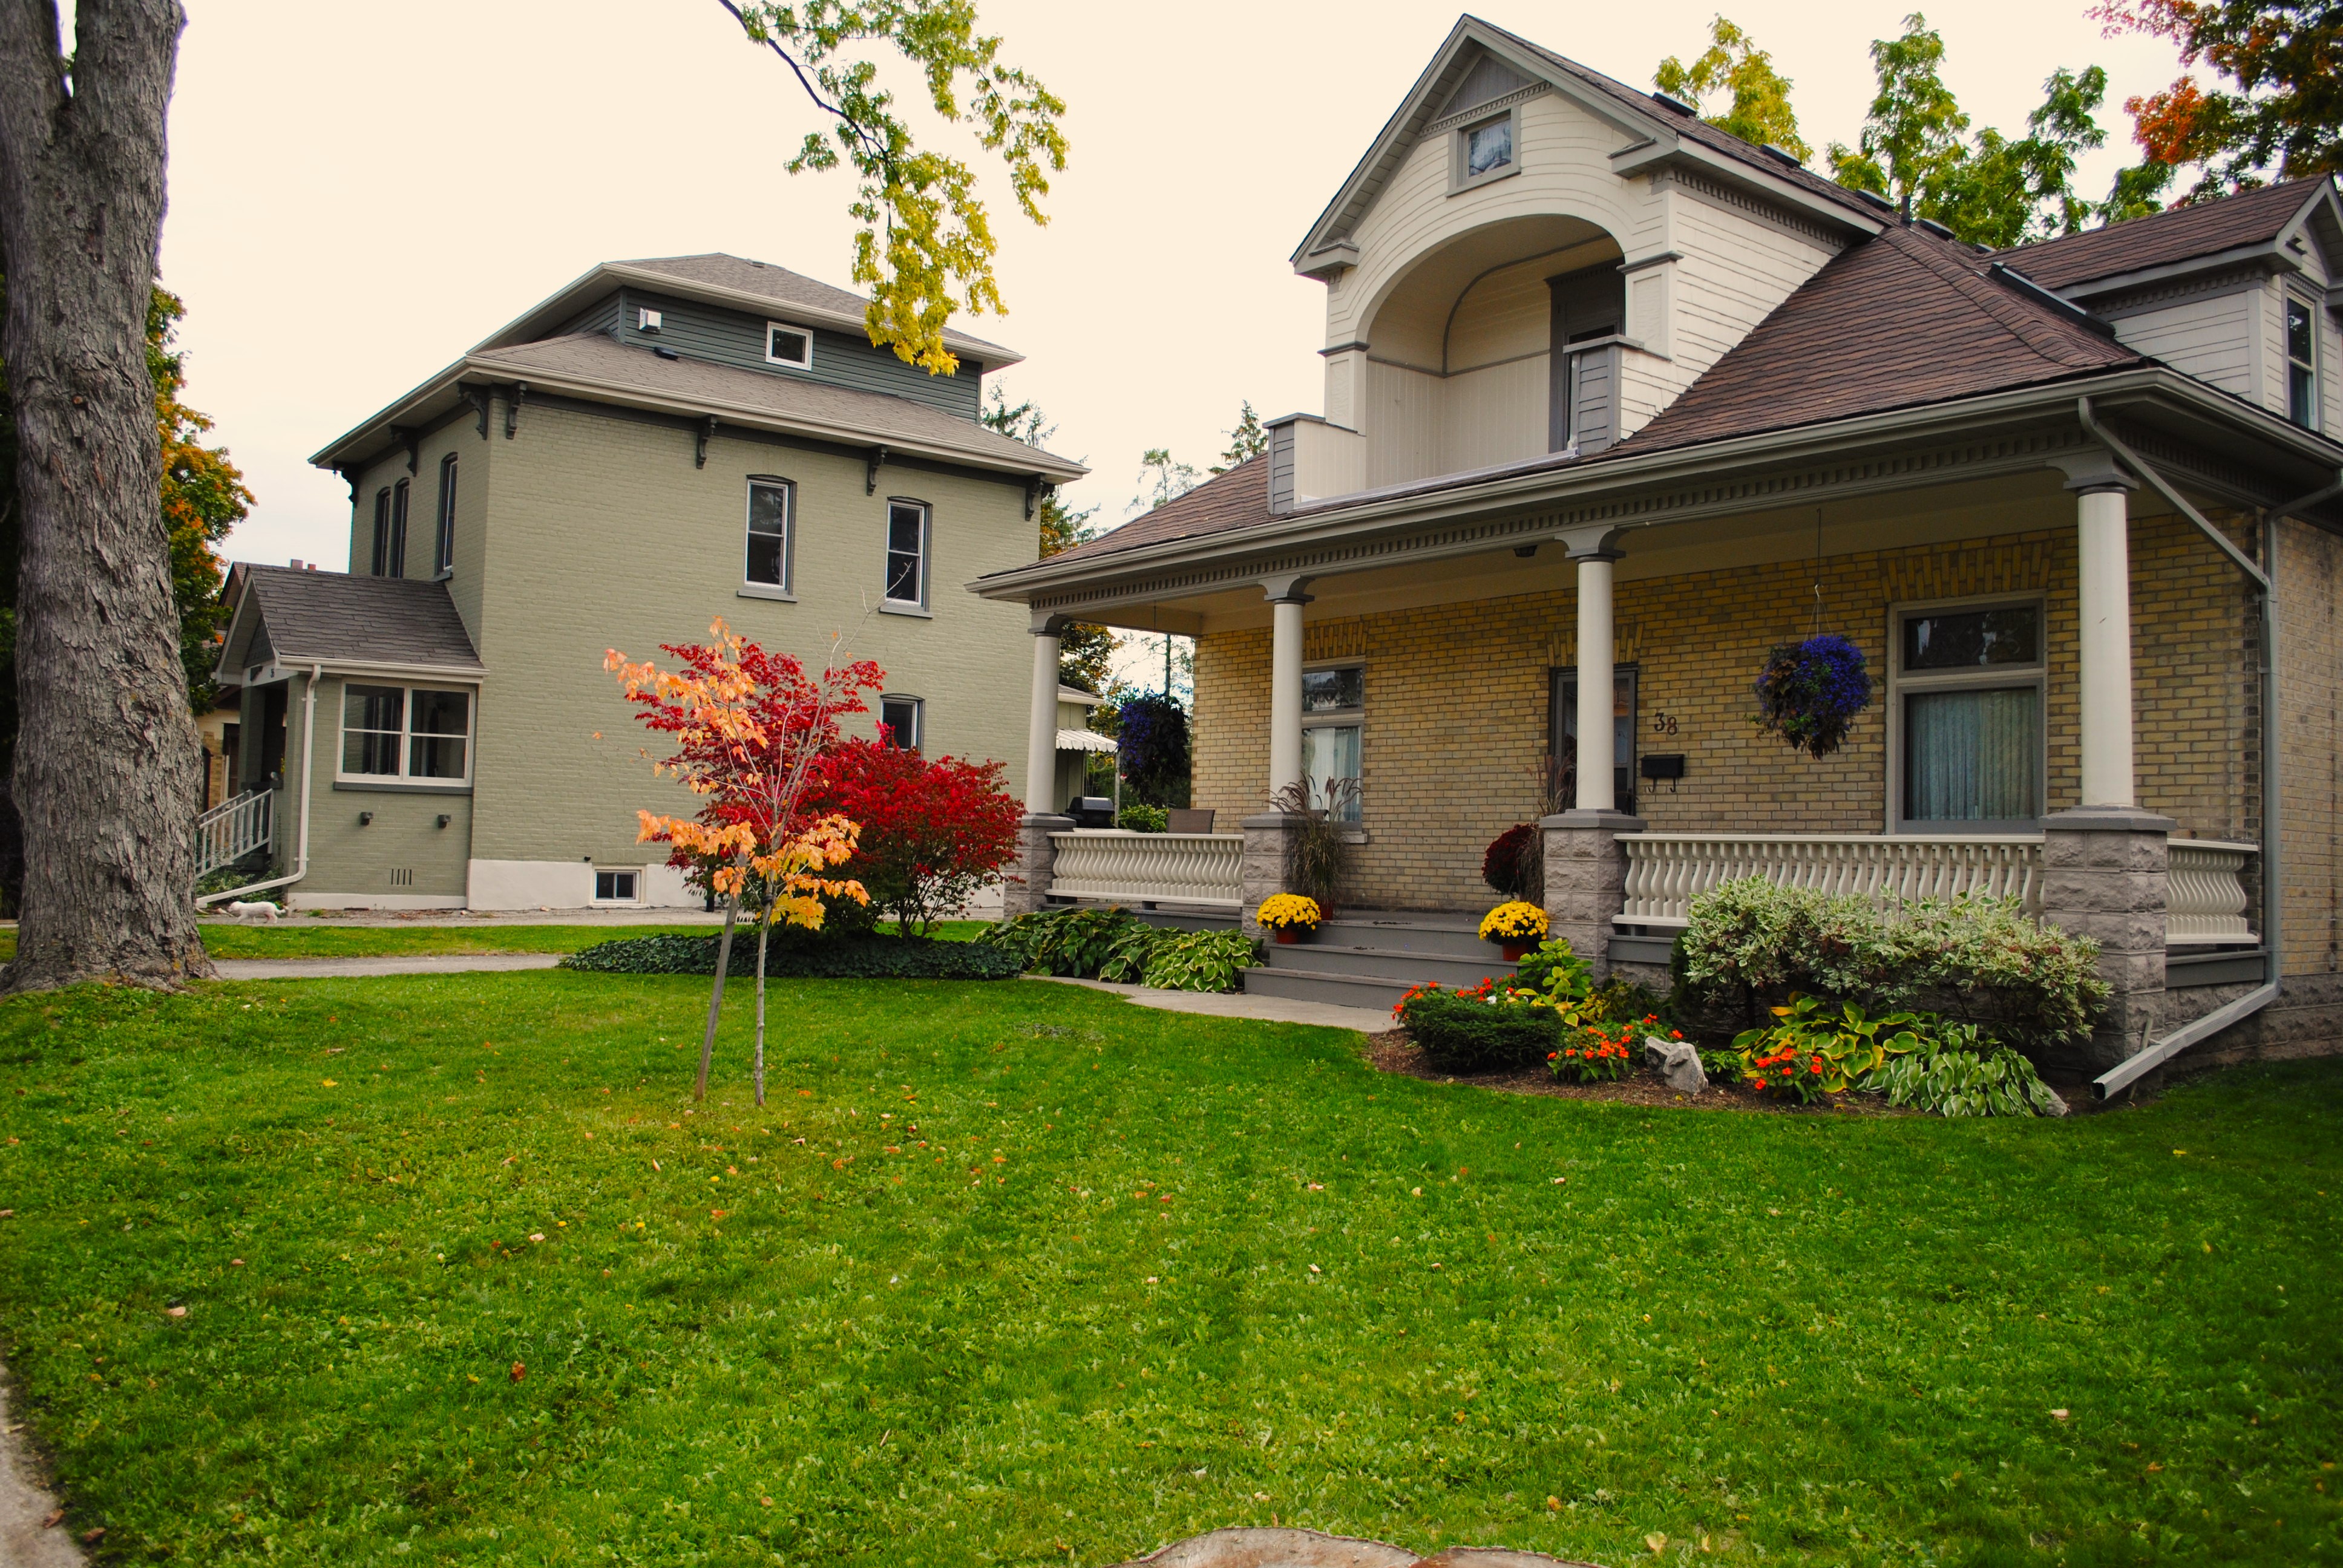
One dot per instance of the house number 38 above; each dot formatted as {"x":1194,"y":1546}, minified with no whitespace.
{"x":1664,"y":724}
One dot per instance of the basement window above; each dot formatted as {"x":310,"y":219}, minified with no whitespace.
{"x":618,"y":887}
{"x":790,"y":346}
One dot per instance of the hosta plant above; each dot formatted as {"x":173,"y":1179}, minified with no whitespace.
{"x":1963,"y":1075}
{"x":1828,"y":1049}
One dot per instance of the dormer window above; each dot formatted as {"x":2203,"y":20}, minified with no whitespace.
{"x":1484,"y":150}
{"x":790,"y":346}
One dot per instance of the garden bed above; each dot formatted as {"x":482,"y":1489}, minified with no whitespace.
{"x":1393,"y":1051}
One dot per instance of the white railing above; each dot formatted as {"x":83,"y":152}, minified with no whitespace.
{"x":2204,"y":897}
{"x":1158,"y":868}
{"x":233,"y":830}
{"x":1666,"y":871}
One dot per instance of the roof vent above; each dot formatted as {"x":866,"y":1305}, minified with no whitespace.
{"x":1876,"y":199}
{"x":1786,"y":156}
{"x":1678,"y":104}
{"x":1932,"y":226}
{"x":647,"y":320}
{"x":664,"y":352}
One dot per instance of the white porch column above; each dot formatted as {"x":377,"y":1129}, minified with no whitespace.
{"x":1042,"y":732}
{"x":1596,"y":761}
{"x":2103,"y":523}
{"x":1285,"y":601}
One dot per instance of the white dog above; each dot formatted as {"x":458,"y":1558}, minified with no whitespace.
{"x":243,"y":911}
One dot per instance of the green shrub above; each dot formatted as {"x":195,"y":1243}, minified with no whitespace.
{"x":1751,"y":945}
{"x":1139,"y":818}
{"x":843,"y":957}
{"x":1113,"y":944}
{"x":1480,"y":1029}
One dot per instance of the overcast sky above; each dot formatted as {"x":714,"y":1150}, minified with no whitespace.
{"x":358,"y":194}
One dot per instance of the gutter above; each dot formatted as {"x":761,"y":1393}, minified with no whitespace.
{"x":2121,"y":1076}
{"x":301,"y":838}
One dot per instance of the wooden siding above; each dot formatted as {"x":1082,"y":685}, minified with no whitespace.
{"x":2210,"y":336}
{"x":842,"y":359}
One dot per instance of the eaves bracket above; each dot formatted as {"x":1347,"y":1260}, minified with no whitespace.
{"x":877,"y":455}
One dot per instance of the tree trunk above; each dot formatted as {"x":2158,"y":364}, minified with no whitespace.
{"x":716,"y":999}
{"x":764,"y":927}
{"x":108,"y":770}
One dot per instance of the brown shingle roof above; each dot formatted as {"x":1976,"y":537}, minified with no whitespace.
{"x":783,"y":286}
{"x":874,"y":415}
{"x":2182,"y":234}
{"x":339,"y":617}
{"x":1236,"y":499}
{"x":1904,"y":319}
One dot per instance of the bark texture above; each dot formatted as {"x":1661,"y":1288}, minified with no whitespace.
{"x":108,"y":772}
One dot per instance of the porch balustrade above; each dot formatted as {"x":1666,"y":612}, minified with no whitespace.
{"x":1148,"y":867}
{"x":2206,"y":893}
{"x":1666,"y":871}
{"x":233,"y":830}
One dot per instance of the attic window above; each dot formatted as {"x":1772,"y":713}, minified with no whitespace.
{"x":1485,"y":150}
{"x":790,"y":346}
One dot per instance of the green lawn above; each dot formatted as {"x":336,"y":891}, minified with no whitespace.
{"x":298,"y":939}
{"x":1131,"y":1275}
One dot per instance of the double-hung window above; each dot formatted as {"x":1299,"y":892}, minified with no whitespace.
{"x":1566,"y":733}
{"x":908,"y":539}
{"x":1333,"y":721}
{"x":899,"y":722}
{"x":398,"y":733}
{"x":773,"y":506}
{"x":1968,"y":698}
{"x":443,"y":536}
{"x":381,"y":553}
{"x":396,"y":549}
{"x":2301,"y":362}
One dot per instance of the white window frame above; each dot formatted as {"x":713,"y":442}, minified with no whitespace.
{"x":1343,"y":718}
{"x":1972,"y":678}
{"x":1460,"y":179}
{"x":443,"y":532}
{"x":786,"y":588}
{"x":403,"y":780}
{"x":927,"y":554}
{"x":2312,"y":313}
{"x":805,"y":332}
{"x":641,"y":878}
{"x":919,"y":705}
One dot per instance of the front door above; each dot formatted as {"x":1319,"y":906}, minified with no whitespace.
{"x":1564,"y":730}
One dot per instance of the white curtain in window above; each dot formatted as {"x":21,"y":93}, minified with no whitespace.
{"x":1972,"y":755}
{"x":1330,"y":752}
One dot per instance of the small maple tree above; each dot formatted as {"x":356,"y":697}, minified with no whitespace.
{"x":933,"y":832}
{"x":751,"y":728}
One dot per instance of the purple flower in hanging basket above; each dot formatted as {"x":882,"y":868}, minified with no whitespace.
{"x":1810,"y":692}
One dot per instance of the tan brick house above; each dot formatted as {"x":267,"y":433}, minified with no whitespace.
{"x":1616,"y":402}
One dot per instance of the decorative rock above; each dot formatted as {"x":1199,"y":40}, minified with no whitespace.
{"x":1255,"y":1548}
{"x":1678,"y":1062}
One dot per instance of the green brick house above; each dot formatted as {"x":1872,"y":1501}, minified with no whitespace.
{"x":659,"y":443}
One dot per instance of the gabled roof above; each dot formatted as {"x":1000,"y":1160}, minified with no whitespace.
{"x":844,"y":413}
{"x":1905,"y":319}
{"x":733,"y":281}
{"x":2260,"y":217}
{"x":1659,"y":134}
{"x":281,"y":615}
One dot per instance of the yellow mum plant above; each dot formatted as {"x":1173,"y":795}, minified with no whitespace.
{"x":1288,"y":911}
{"x":1514,"y":922}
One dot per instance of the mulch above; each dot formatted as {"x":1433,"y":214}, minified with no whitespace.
{"x":1393,"y":1051}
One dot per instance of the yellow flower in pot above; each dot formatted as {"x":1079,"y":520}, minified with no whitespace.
{"x":1515,"y":927}
{"x":1290,"y":915}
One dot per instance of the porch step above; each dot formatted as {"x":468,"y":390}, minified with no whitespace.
{"x":1340,"y":991}
{"x":1456,"y":935}
{"x":1409,"y":967}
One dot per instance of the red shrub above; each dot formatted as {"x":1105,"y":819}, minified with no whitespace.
{"x":934,"y":832}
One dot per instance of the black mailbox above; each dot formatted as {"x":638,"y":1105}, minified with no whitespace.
{"x":1669,"y":765}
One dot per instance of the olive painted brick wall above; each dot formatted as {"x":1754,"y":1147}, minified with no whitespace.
{"x":2310,"y":659}
{"x":1456,"y":716}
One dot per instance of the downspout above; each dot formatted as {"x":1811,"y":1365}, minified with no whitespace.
{"x":301,"y":834}
{"x":2132,"y":1069}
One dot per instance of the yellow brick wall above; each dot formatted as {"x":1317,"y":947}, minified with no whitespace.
{"x":1456,"y":718}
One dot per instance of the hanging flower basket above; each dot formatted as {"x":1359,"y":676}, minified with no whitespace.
{"x":1810,"y":692}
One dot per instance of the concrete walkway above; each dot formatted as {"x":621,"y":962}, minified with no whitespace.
{"x":390,"y":964}
{"x":25,"y":1503}
{"x":1237,"y":1004}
